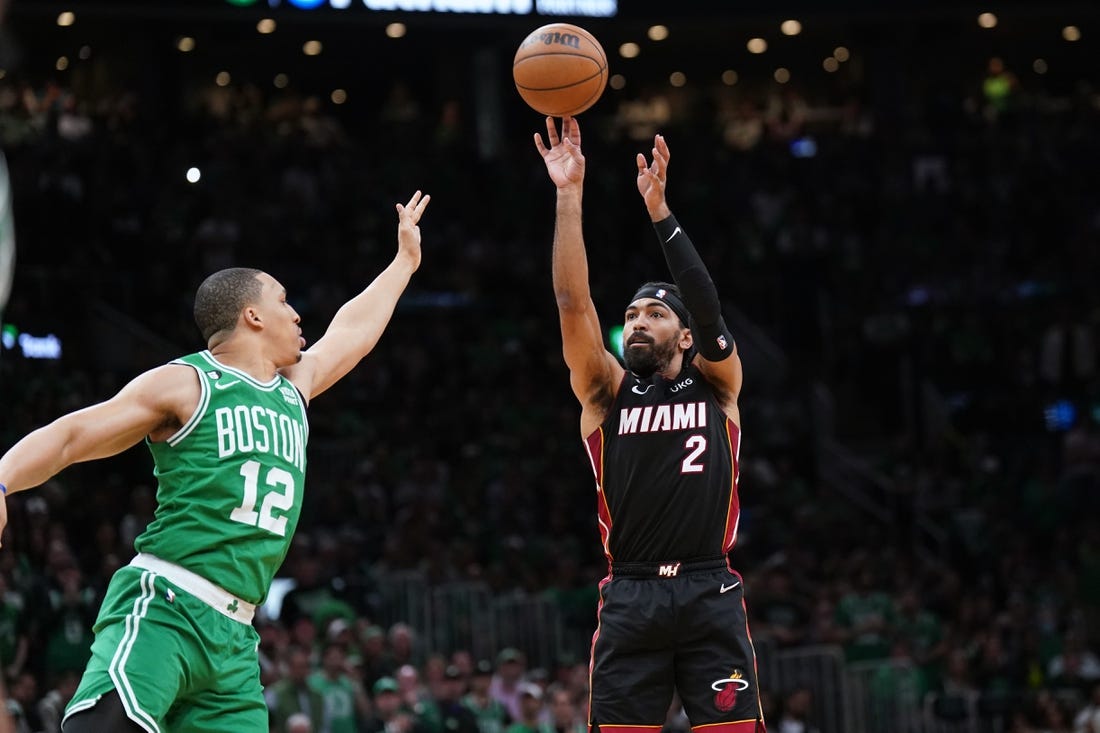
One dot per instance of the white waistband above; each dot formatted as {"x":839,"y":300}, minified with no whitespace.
{"x":220,"y":600}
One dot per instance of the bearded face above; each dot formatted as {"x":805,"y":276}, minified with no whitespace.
{"x":645,"y":355}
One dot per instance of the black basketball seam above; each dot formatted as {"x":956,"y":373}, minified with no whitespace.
{"x":583,"y":33}
{"x":558,"y":89}
{"x":602,"y":71}
{"x":565,"y":53}
{"x":566,"y":86}
{"x":595,"y":44}
{"x":585,"y":104}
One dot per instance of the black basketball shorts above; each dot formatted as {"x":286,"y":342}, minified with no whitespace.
{"x":666,"y":627}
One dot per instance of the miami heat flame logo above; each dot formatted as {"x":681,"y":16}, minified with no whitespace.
{"x":726,"y":690}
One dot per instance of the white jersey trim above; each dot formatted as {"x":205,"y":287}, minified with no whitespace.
{"x":200,"y":409}
{"x":266,"y":386}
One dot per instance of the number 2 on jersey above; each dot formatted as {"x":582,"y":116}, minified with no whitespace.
{"x":696,"y":444}
{"x":274,"y":500}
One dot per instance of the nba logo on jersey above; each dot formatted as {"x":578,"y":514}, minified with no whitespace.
{"x":721,"y":341}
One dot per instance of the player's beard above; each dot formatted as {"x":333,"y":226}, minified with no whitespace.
{"x":654,"y":356}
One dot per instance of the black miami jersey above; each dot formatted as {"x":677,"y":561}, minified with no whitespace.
{"x":666,"y":466}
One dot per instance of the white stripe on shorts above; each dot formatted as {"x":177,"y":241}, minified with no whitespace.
{"x":117,"y":669}
{"x":82,"y":705}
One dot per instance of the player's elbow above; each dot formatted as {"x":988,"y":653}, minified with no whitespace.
{"x":569,"y":302}
{"x":700,"y":295}
{"x":704,"y":305}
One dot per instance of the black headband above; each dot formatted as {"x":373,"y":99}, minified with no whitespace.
{"x":667,"y":297}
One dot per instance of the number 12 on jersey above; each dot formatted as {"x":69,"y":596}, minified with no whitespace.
{"x":273,"y":501}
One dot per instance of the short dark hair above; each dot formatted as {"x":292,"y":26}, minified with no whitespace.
{"x":222,"y":296}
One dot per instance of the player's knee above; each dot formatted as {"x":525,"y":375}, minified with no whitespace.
{"x":106,"y":716}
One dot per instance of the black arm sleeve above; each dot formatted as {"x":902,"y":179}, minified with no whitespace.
{"x":712,"y":337}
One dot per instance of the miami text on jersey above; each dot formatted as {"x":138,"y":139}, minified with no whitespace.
{"x":663,"y":418}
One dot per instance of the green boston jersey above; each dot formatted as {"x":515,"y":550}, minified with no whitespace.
{"x":229,"y":482}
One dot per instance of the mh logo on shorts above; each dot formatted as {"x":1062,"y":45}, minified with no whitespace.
{"x":726,"y":690}
{"x":670,"y":570}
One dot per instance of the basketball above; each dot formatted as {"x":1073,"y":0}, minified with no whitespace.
{"x":560,"y":70}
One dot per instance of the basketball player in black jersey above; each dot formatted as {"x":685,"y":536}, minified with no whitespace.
{"x":663,"y":435}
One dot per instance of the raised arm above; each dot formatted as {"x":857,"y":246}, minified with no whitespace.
{"x":594,"y":373}
{"x":157,"y":403}
{"x":357,"y":326}
{"x":718,"y":359}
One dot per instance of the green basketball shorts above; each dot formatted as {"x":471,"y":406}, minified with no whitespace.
{"x":180,"y":651}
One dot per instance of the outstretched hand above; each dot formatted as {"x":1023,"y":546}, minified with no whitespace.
{"x":408,"y":229}
{"x":564,"y":161}
{"x":651,"y":180}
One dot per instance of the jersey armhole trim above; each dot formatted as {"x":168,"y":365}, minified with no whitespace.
{"x":200,"y":409}
{"x":303,"y":406}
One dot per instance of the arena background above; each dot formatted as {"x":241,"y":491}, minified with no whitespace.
{"x":905,"y":236}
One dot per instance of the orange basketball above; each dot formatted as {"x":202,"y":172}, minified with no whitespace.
{"x":560,"y":69}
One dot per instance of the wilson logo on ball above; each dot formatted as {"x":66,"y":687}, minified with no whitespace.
{"x":565,"y":39}
{"x":560,"y":69}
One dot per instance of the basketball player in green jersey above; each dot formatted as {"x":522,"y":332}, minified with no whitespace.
{"x":175,"y":649}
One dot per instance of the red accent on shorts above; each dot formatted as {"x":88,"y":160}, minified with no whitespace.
{"x":739,"y":726}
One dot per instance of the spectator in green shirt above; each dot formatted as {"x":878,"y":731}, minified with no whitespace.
{"x":492,"y":716}
{"x":293,"y":694}
{"x":865,"y":617}
{"x":390,"y":716}
{"x":345,"y":701}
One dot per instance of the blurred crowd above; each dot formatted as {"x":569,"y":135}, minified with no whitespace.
{"x":918,"y":253}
